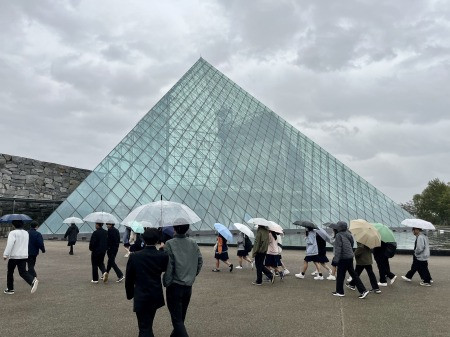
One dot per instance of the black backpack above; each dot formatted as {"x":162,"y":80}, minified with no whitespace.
{"x":390,"y":250}
{"x":247,"y":244}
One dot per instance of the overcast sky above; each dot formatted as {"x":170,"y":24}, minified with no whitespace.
{"x":369,"y":81}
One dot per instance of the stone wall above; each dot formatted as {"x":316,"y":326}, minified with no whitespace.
{"x":34,"y":187}
{"x":33,"y":179}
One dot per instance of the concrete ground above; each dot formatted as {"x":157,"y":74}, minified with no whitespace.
{"x":223,"y":304}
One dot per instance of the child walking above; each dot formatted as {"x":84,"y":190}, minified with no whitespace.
{"x":273,"y":261}
{"x":312,"y":252}
{"x":242,"y":250}
{"x":420,"y":259}
{"x":363,"y":257}
{"x":221,"y":253}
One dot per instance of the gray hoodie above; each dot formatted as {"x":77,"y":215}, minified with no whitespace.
{"x":422,"y":251}
{"x":343,"y":244}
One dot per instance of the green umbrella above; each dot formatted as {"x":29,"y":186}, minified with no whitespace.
{"x":385,"y":232}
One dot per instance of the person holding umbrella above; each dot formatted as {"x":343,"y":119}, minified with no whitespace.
{"x":244,"y":246}
{"x":312,"y":252}
{"x":35,"y":243}
{"x":113,"y":248}
{"x":221,"y":253}
{"x":363,"y":257}
{"x":259,"y":254}
{"x":420,"y":259}
{"x":383,"y":253}
{"x":343,"y":258}
{"x":16,"y":252}
{"x":98,"y":246}
{"x":71,"y":235}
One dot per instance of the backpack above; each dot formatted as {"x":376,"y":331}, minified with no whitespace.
{"x":390,"y":250}
{"x":248,"y":244}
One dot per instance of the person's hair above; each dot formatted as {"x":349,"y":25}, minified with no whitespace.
{"x":181,"y":229}
{"x":110,"y":223}
{"x":151,"y":236}
{"x":17,"y":223}
{"x":34,"y":224}
{"x":274,"y":235}
{"x":99,"y":223}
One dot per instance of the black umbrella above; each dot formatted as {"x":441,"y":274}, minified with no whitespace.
{"x":307,"y":224}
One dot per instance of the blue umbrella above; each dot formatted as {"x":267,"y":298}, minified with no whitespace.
{"x":12,"y":217}
{"x":225,"y":232}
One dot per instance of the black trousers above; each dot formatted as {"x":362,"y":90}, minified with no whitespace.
{"x":261,"y":268}
{"x":422,"y":268}
{"x":178,"y":298}
{"x":373,"y":279}
{"x":22,"y":267}
{"x":145,"y":322}
{"x":112,"y":253}
{"x":31,"y":263}
{"x":97,"y":261}
{"x":71,"y":250}
{"x":344,"y":266}
{"x":384,"y":269}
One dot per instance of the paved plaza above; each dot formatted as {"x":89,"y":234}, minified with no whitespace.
{"x":223,"y":304}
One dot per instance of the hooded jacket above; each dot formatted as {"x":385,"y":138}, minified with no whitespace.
{"x":422,"y":251}
{"x":343,"y":244}
{"x":311,"y":244}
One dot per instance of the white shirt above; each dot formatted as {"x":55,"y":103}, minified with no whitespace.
{"x":17,"y":245}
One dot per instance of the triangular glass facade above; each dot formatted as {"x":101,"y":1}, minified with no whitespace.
{"x":210,"y":145}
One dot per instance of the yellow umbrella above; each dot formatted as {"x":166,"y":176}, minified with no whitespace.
{"x":365,"y":233}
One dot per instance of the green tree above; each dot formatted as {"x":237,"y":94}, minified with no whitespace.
{"x":409,"y":207}
{"x":433,"y":204}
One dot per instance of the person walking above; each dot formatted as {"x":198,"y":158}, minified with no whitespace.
{"x":71,"y":235}
{"x":272,"y":260}
{"x":221,"y":253}
{"x":343,"y":258}
{"x":35,"y":243}
{"x":143,"y":281}
{"x":420,"y":259}
{"x":322,"y":258}
{"x":185,"y":263}
{"x":259,"y":252}
{"x":243,"y":249}
{"x":382,"y":255}
{"x":113,"y":248}
{"x":16,"y":252}
{"x":312,"y":252}
{"x":363,"y":257}
{"x":98,"y":246}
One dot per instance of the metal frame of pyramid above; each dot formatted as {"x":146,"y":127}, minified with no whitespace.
{"x":212,"y":146}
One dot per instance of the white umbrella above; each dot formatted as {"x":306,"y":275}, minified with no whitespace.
{"x":73,"y":219}
{"x":244,"y":229}
{"x":418,"y":223}
{"x":101,"y":217}
{"x":162,"y":214}
{"x":259,"y":222}
{"x":274,"y":227}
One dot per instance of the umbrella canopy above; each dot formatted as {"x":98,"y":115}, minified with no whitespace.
{"x":137,"y":227}
{"x":323,"y":234}
{"x":418,"y":223}
{"x":225,"y":232}
{"x":307,"y":224}
{"x":274,"y":227}
{"x":101,"y":217}
{"x":259,"y":222}
{"x":162,"y":213}
{"x":385,"y":232}
{"x":73,"y":219}
{"x":169,"y":230}
{"x":11,"y":217}
{"x":244,"y":229}
{"x":365,"y":233}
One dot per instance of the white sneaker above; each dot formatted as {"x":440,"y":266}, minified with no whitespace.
{"x":238,"y":267}
{"x":34,"y":285}
{"x":95,"y":282}
{"x":318,"y":277}
{"x":120,"y":279}
{"x":406,"y":279}
{"x":393,"y":279}
{"x":349,"y":279}
{"x":286,"y":272}
{"x":299,"y":275}
{"x":382,"y":284}
{"x":331,"y":278}
{"x":314,"y":272}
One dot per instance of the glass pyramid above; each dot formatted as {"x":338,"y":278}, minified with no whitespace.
{"x":212,"y":146}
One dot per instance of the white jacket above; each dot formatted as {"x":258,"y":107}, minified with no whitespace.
{"x":17,"y":245}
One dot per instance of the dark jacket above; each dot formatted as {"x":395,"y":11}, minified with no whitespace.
{"x":143,"y":278}
{"x":35,"y":242}
{"x":113,"y":238}
{"x":363,"y":255}
{"x":343,"y":243}
{"x":71,"y":234}
{"x":99,"y":242}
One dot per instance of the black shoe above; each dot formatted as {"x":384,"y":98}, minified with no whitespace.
{"x":364,"y":294}
{"x":231,"y":268}
{"x":376,"y":291}
{"x":8,"y":292}
{"x":256,"y":283}
{"x":350,"y":286}
{"x":337,"y":294}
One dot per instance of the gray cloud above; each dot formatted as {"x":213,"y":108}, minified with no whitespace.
{"x":367,"y":81}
